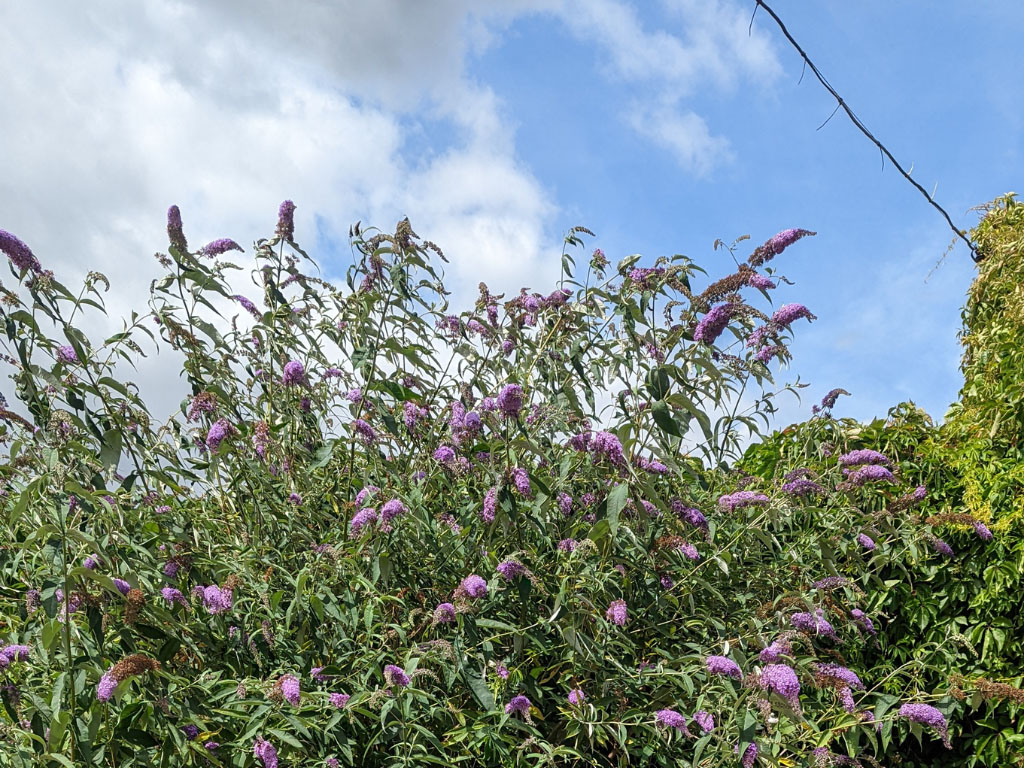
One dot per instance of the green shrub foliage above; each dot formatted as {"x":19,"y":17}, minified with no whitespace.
{"x":381,"y":533}
{"x":958,"y":624}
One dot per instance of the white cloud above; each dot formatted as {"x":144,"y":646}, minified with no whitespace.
{"x":226,"y":108}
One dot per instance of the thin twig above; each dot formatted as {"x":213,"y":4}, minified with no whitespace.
{"x":863,"y":129}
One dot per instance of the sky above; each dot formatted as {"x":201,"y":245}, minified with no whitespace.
{"x":496,"y":125}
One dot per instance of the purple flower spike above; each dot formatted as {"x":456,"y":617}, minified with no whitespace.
{"x":219,"y":246}
{"x":669,"y":718}
{"x":712,"y":324}
{"x":20,"y":254}
{"x":927,"y":715}
{"x":724,"y":666}
{"x":286,"y":220}
{"x":175,"y":234}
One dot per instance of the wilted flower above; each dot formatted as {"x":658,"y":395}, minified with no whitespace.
{"x":444,"y":613}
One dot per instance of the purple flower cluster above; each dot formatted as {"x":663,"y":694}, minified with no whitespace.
{"x":265,"y":752}
{"x":733,"y":501}
{"x":106,"y":687}
{"x":576,"y":697}
{"x":510,"y":400}
{"x":392,"y":509}
{"x":286,"y":220}
{"x":473,"y":586}
{"x":396,"y":676}
{"x":172,"y":596}
{"x":521,"y":481}
{"x":839,"y":674}
{"x":692,"y":516}
{"x":982,"y":530}
{"x":599,"y":445}
{"x":926,"y":714}
{"x":704,"y":720}
{"x":669,"y":718}
{"x":220,"y":246}
{"x":940,"y":546}
{"x":713,"y":323}
{"x":781,"y":679}
{"x":339,"y":700}
{"x":863,"y":456}
{"x":866,"y":541}
{"x":175,"y":233}
{"x":215,"y":599}
{"x":444,"y":613}
{"x":567,"y":545}
{"x":364,"y":431}
{"x":616,"y":612}
{"x":862,"y":620}
{"x":814,"y":624}
{"x":20,"y":254}
{"x":869,"y":473}
{"x":12,"y":653}
{"x":510,"y":569}
{"x":294,"y":374}
{"x":518,"y":705}
{"x":291,"y":688}
{"x":364,"y":517}
{"x":66,"y":354}
{"x":802,"y":487}
{"x":724,"y":666}
{"x":220,"y":431}
{"x":490,"y":506}
{"x":773,"y":652}
{"x":413,"y":414}
{"x":788,"y":314}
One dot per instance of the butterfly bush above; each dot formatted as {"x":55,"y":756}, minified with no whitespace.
{"x":346,"y":461}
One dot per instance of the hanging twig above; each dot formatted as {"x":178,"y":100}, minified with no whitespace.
{"x":863,"y":129}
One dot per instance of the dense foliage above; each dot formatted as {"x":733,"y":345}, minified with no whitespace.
{"x":379,"y":533}
{"x":959,"y":626}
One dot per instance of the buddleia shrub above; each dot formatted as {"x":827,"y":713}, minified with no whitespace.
{"x":951,"y":611}
{"x":381,"y":532}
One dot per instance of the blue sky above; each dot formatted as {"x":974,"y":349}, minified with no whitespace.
{"x":497,"y":125}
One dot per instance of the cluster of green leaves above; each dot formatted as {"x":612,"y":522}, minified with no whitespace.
{"x":254,"y":485}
